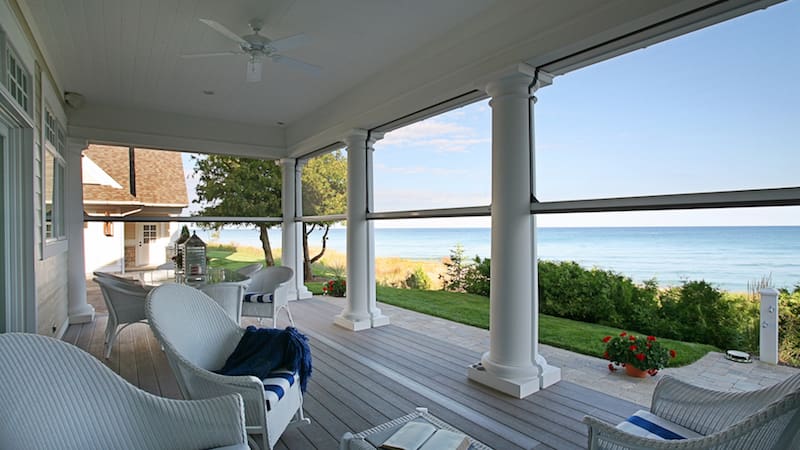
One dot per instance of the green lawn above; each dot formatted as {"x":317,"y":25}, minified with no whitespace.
{"x":580,"y":337}
{"x":229,"y":257}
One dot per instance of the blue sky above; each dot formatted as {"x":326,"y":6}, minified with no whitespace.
{"x":717,"y":109}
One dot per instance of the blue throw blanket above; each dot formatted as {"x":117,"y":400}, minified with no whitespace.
{"x":264,"y":350}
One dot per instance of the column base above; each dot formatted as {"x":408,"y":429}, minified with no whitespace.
{"x":548,"y":375}
{"x":300,"y":293}
{"x":515,"y":387}
{"x":379,"y":320}
{"x":83,"y":314}
{"x":353,"y":324}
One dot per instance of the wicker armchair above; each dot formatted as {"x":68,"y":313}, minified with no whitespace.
{"x":768,"y":418}
{"x":198,"y":336}
{"x":268,"y":293}
{"x":55,"y":395}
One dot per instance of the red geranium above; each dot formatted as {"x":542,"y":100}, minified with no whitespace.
{"x":644,"y":353}
{"x":672,"y":353}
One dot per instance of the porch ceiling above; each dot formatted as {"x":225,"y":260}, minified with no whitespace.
{"x":380,"y":59}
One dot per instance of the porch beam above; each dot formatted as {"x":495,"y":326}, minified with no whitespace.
{"x":469,"y":211}
{"x":182,"y":219}
{"x":702,"y":200}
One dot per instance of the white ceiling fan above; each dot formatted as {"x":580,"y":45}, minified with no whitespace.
{"x":258,"y":47}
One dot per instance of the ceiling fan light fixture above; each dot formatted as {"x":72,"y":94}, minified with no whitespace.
{"x":254,"y":70}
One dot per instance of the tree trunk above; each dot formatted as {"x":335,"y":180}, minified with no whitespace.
{"x":324,"y":245}
{"x":307,"y":274}
{"x":262,"y":228}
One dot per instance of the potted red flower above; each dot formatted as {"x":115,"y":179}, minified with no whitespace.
{"x":336,"y":287}
{"x":639,"y":355}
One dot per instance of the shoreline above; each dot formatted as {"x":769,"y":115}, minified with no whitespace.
{"x":391,"y":270}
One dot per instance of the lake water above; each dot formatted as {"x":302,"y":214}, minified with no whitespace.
{"x":729,"y":257}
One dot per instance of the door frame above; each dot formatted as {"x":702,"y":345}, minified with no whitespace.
{"x":17,"y":268}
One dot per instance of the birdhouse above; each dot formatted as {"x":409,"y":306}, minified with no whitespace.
{"x":194,"y":259}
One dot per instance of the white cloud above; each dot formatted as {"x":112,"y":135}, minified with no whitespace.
{"x":440,"y":136}
{"x":418,"y":170}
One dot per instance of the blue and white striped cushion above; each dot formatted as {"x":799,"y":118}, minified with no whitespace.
{"x":644,"y":424}
{"x":277,"y":384}
{"x":258,"y":297}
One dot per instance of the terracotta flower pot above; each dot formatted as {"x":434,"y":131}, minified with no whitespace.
{"x":634,"y":372}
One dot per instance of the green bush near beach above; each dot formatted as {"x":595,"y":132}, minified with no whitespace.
{"x":696,"y":311}
{"x":471,"y":309}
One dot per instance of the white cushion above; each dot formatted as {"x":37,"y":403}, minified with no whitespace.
{"x":643,"y":423}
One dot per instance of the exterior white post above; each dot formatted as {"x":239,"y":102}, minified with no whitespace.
{"x":377,"y":318}
{"x":548,"y":375}
{"x":356,"y":315}
{"x":78,"y":310}
{"x":291,"y":231}
{"x":768,"y":339}
{"x":509,"y":366}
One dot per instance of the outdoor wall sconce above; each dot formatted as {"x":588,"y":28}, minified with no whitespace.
{"x":108,"y":228}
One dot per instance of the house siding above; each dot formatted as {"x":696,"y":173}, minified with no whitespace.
{"x":51,"y":290}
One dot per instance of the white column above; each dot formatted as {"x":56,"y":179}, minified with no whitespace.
{"x":548,"y":375}
{"x":509,"y":365}
{"x":356,"y":315}
{"x":292,"y":232}
{"x":78,"y":310}
{"x":377,"y":318}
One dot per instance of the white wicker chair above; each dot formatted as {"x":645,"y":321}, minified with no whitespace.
{"x":228,"y":296}
{"x":768,"y":418}
{"x":270,"y":293}
{"x":198,"y":336}
{"x":55,"y":395}
{"x":125,"y":303}
{"x":250,"y":269}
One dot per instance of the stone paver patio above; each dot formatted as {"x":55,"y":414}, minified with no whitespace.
{"x":712,"y":371}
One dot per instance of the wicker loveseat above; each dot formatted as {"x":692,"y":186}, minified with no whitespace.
{"x":768,"y":418}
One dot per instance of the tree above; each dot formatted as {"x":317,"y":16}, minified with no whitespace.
{"x":324,"y":192}
{"x":239,"y":187}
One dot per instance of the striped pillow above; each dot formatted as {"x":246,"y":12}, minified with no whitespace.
{"x":276,"y":385}
{"x":258,"y":297}
{"x":645,"y":424}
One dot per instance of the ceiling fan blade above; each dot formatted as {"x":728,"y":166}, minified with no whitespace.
{"x":204,"y":55}
{"x":283,"y":44}
{"x":225,"y":32}
{"x":297,"y":64}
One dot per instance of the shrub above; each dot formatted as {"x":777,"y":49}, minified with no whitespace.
{"x":455,"y":271}
{"x":699,"y":312}
{"x":789,"y":326}
{"x":417,"y":279}
{"x":477,"y":276}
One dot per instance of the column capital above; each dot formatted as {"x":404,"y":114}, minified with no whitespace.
{"x":516,"y":76}
{"x":77,"y":144}
{"x":358,"y":137}
{"x":286,"y":161}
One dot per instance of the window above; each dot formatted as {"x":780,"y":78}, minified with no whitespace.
{"x":149,"y":233}
{"x":16,"y":79}
{"x":53,"y":176}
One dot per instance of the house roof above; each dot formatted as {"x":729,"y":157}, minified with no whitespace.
{"x":158,"y":177}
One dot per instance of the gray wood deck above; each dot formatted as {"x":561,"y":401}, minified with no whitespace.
{"x":363,"y":379}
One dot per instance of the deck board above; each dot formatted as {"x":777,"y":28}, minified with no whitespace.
{"x":364,"y":379}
